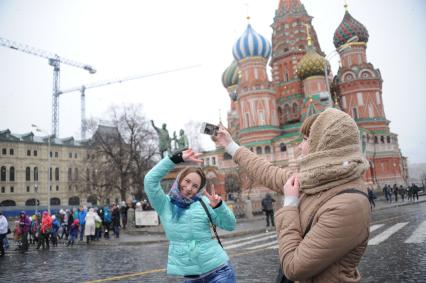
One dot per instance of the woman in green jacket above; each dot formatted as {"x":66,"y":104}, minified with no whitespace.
{"x":192,"y":251}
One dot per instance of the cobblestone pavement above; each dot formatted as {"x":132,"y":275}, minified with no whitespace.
{"x":396,"y":253}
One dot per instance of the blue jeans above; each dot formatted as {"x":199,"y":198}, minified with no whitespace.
{"x":225,"y":274}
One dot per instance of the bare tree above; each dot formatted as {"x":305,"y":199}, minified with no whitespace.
{"x":121,"y":153}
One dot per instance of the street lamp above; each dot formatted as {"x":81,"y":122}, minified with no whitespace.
{"x":332,"y":54}
{"x":36,"y":199}
{"x":49,"y":173}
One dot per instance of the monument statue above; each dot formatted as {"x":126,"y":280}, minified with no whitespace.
{"x":164,"y":139}
{"x":182,"y":141}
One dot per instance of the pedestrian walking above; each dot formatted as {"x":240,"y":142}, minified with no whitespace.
{"x":82,"y":220}
{"x":55,"y":231}
{"x":4,"y":227}
{"x":186,"y":216}
{"x":268,"y":208}
{"x":402,"y":191}
{"x":25,"y":225}
{"x":115,"y":217}
{"x":45,"y":229}
{"x":73,"y":232}
{"x":415,"y":191}
{"x":395,"y":192}
{"x":123,"y":213}
{"x":386,"y":193}
{"x":90,"y":225}
{"x":371,"y":197}
{"x":107,"y":220}
{"x":323,"y":226}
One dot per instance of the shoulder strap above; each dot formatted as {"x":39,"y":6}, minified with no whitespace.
{"x":347,"y":191}
{"x":211,"y":221}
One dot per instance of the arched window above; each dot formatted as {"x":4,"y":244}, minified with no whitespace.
{"x":388,"y":139}
{"x":12,"y":174}
{"x":8,"y":202}
{"x":376,"y":140}
{"x":28,"y":174}
{"x":93,"y":200}
{"x":74,"y":201}
{"x":286,"y":112}
{"x":32,"y":202}
{"x":283,"y":147}
{"x":382,"y":139}
{"x":35,"y":174}
{"x":55,"y":201}
{"x":267,"y":149}
{"x":258,"y":150}
{"x":57,"y":174}
{"x":3,"y":173}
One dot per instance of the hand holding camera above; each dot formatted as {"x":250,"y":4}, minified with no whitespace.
{"x":219,"y":134}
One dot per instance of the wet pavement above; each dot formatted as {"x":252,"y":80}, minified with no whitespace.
{"x":134,"y":259}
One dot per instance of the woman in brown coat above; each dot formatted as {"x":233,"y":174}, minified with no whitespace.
{"x":326,"y":199}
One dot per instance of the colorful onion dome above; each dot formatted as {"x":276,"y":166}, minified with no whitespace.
{"x":231,"y":76}
{"x":311,"y":64}
{"x":251,"y":44}
{"x":348,"y":28}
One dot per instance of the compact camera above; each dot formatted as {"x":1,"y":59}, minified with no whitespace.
{"x":209,"y":129}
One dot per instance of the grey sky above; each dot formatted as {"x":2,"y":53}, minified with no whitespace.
{"x":121,"y":38}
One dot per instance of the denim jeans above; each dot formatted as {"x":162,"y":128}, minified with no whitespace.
{"x":225,"y":274}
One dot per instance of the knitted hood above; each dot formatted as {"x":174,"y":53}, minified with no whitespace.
{"x":334,"y":156}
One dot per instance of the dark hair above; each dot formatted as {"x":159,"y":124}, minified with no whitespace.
{"x":305,"y":129}
{"x":196,"y":170}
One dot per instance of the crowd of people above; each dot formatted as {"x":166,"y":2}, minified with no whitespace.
{"x":44,"y":230}
{"x":391,"y":193}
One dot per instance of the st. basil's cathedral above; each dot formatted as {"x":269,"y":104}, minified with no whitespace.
{"x":266,"y":114}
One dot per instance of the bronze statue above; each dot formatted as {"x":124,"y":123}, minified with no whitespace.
{"x":164,"y":139}
{"x":182,"y":141}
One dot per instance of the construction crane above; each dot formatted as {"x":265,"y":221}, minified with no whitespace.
{"x":82,"y":89}
{"x":54,"y":61}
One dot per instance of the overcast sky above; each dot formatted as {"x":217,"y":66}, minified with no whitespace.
{"x":124,"y":38}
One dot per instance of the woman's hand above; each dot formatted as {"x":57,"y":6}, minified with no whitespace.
{"x":291,"y":187}
{"x":222,"y":137}
{"x":213,"y":197}
{"x":189,"y":155}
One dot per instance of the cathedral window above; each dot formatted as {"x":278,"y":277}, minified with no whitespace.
{"x":4,"y":151}
{"x":349,"y":77}
{"x":370,"y":111}
{"x":75,"y":174}
{"x":286,"y":112}
{"x":57,"y":174}
{"x":359,"y":98}
{"x":382,"y":139}
{"x":283,"y":147}
{"x":388,"y":139}
{"x":69,"y":174}
{"x":262,"y":118}
{"x":355,"y":113}
{"x":344,"y":101}
{"x":213,"y":160}
{"x":247,"y":122}
{"x":267,"y":149}
{"x":377,"y":97}
{"x":258,"y":150}
{"x":376,"y":140}
{"x":11,"y":151}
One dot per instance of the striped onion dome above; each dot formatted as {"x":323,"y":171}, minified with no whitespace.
{"x":311,"y":64}
{"x":230,"y":76}
{"x":251,"y":44}
{"x":348,"y":28}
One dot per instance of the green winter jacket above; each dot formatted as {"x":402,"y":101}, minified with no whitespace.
{"x":192,"y":250}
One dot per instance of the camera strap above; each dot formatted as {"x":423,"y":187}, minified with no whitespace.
{"x":211,"y":221}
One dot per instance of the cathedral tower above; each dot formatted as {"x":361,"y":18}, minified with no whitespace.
{"x":255,"y":96}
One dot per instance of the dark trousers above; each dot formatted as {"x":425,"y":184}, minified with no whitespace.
{"x":24,"y":246}
{"x":269,"y":215}
{"x":2,"y":236}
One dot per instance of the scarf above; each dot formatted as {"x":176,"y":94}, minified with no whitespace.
{"x":335,"y":156}
{"x":180,"y":203}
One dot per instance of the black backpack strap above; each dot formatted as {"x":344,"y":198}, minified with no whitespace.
{"x":211,"y":221}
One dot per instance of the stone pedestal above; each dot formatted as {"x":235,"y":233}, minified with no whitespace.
{"x":248,"y":209}
{"x":131,"y":218}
